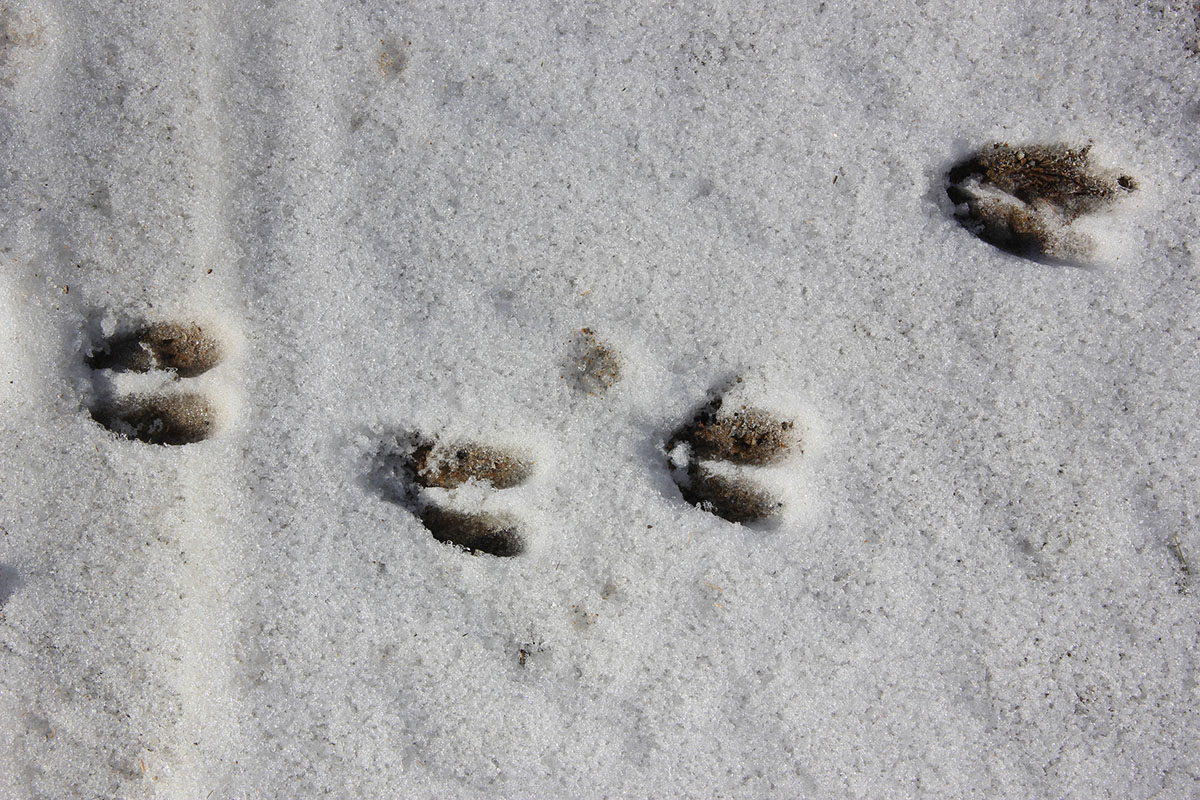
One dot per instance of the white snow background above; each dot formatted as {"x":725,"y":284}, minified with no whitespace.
{"x":398,"y":215}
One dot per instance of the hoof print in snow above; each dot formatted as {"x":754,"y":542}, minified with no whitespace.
{"x":172,"y":419}
{"x":745,"y":436}
{"x":426,"y":476}
{"x":187,"y":350}
{"x":475,"y":533}
{"x":1025,"y":200}
{"x":592,"y":367}
{"x":448,"y":467}
{"x":710,"y":454}
{"x":172,"y":351}
{"x":731,"y":498}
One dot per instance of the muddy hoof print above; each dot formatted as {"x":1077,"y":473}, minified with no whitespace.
{"x":159,"y":419}
{"x":1024,"y":200}
{"x":424,"y":476}
{"x":174,"y":350}
{"x":187,"y":350}
{"x":441,"y":467}
{"x":709,"y":459}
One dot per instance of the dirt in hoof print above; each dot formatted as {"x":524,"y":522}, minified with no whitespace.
{"x":187,"y":350}
{"x":163,"y":419}
{"x":447,"y":467}
{"x":1024,"y":200}
{"x":170,"y":354}
{"x":747,"y":436}
{"x":424,"y":476}
{"x":709,"y":455}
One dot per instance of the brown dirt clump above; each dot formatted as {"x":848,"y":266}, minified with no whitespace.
{"x":592,"y":367}
{"x":392,"y":59}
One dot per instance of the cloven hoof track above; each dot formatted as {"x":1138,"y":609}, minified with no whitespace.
{"x":160,"y":418}
{"x":742,"y":437}
{"x":411,"y":464}
{"x":1025,"y":199}
{"x":188,"y":350}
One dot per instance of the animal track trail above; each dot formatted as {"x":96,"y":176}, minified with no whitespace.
{"x":1025,"y":200}
{"x":162,"y":417}
{"x":713,"y":457}
{"x":425,"y":475}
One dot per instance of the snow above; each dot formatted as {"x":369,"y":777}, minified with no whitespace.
{"x":399,"y":217}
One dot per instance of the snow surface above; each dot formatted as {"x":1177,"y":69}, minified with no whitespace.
{"x":397,"y":217}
